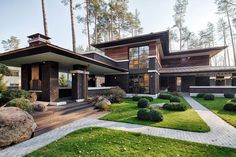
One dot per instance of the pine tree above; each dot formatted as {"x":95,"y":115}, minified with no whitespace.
{"x":11,"y":44}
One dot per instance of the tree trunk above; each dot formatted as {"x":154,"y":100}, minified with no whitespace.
{"x":180,"y":36}
{"x":87,"y":24}
{"x":111,"y":12}
{"x":231,"y":35}
{"x":72,"y":25}
{"x":45,"y":26}
{"x":95,"y":28}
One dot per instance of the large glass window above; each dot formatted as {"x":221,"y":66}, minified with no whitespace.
{"x":138,"y":57}
{"x":139,"y":83}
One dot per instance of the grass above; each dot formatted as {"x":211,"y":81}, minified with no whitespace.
{"x":106,"y":142}
{"x":216,"y":106}
{"x":187,"y":120}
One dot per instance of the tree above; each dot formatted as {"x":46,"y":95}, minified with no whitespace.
{"x":45,"y":25}
{"x":227,"y":8}
{"x":71,"y":3}
{"x":11,"y":44}
{"x":223,"y":30}
{"x":4,"y":71}
{"x":63,"y":81}
{"x":180,"y":8}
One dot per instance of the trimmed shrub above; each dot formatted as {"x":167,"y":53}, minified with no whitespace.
{"x":165,"y":96}
{"x":230,"y":106}
{"x":143,"y":114}
{"x":229,"y":95}
{"x":143,"y":103}
{"x":150,"y":115}
{"x":15,"y":93}
{"x":200,"y":95}
{"x":22,"y":103}
{"x":209,"y":97}
{"x":155,"y":116}
{"x":137,"y":98}
{"x":175,"y":107}
{"x":233,"y":100}
{"x":116,"y":95}
{"x":174,"y":99}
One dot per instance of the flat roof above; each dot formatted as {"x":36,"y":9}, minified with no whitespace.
{"x":50,"y":52}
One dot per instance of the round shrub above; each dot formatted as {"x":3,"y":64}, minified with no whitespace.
{"x":143,"y":103}
{"x":229,"y":95}
{"x":22,"y":103}
{"x":116,"y":95}
{"x":155,"y":116}
{"x":143,"y":114}
{"x":174,"y":99}
{"x":175,"y":107}
{"x":137,"y":98}
{"x":164,"y":96}
{"x":233,"y":100}
{"x":230,"y":106}
{"x":200,"y":95}
{"x":15,"y":93}
{"x":209,"y":97}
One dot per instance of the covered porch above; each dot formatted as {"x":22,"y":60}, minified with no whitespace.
{"x":42,"y":66}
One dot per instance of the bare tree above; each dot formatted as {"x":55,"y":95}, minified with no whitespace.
{"x":45,"y":25}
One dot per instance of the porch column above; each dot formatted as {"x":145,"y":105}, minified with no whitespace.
{"x":25,"y":76}
{"x":154,"y":87}
{"x":79,"y":82}
{"x":50,"y":85}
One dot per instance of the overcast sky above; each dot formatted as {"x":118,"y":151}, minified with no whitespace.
{"x":24,"y":17}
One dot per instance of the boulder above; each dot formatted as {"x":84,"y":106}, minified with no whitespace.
{"x":40,"y":106}
{"x":16,"y":126}
{"x":103,"y":104}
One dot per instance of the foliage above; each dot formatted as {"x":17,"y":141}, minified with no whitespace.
{"x":22,"y":103}
{"x":200,"y":95}
{"x":3,"y":71}
{"x":143,"y":103}
{"x":175,"y":107}
{"x":233,"y":100}
{"x":137,"y":98}
{"x":209,"y":97}
{"x":229,"y":95}
{"x":11,"y":44}
{"x":116,"y":95}
{"x":230,"y":106}
{"x":164,"y":96}
{"x":14,"y":93}
{"x":150,"y":115}
{"x":174,"y":99}
{"x":63,"y":81}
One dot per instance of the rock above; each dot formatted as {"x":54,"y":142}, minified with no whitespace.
{"x":40,"y":106}
{"x":16,"y":126}
{"x":103,"y":103}
{"x":154,"y":106}
{"x":33,"y":97}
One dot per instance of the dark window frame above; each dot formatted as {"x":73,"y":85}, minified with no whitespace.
{"x":136,"y":87}
{"x":139,"y":58}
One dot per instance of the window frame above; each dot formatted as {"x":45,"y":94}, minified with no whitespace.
{"x":138,"y":66}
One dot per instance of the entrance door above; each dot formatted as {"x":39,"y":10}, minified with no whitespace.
{"x":178,"y":84}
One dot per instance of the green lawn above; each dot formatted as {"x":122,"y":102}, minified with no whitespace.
{"x":187,"y":120}
{"x":216,"y":106}
{"x":106,"y":142}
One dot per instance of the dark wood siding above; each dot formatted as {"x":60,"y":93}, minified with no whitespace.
{"x":119,"y":53}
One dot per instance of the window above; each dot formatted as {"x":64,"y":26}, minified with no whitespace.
{"x":15,"y":73}
{"x":139,"y":83}
{"x":138,"y":57}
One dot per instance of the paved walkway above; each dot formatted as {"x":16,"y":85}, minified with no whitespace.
{"x":221,"y":134}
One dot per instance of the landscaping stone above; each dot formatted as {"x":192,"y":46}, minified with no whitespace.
{"x":160,"y":105}
{"x":102,"y":103}
{"x":40,"y":106}
{"x":16,"y":126}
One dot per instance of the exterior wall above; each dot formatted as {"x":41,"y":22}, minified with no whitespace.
{"x":234,"y":80}
{"x":187,"y":81}
{"x":154,"y":83}
{"x":25,"y":76}
{"x":119,"y":53}
{"x":185,"y":62}
{"x":172,"y":83}
{"x":202,"y":81}
{"x":117,"y":80}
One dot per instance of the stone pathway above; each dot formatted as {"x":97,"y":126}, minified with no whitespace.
{"x":221,"y":134}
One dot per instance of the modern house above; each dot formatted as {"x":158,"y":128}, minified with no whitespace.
{"x":139,"y":65}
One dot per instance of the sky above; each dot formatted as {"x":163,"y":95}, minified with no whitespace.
{"x":21,"y":18}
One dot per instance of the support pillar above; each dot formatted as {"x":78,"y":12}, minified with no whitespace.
{"x":154,"y":87}
{"x":79,"y":82}
{"x":25,"y":76}
{"x":50,"y":84}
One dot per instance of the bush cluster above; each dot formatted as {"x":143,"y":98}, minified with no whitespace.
{"x":150,"y":115}
{"x":209,"y":97}
{"x":143,"y":103}
{"x":233,"y":100}
{"x":137,"y":98}
{"x":175,"y":106}
{"x":116,"y":95}
{"x":229,"y":95}
{"x":14,"y":93}
{"x":230,"y":106}
{"x":165,"y":96}
{"x":200,"y":95}
{"x":174,"y":99}
{"x":22,"y":103}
